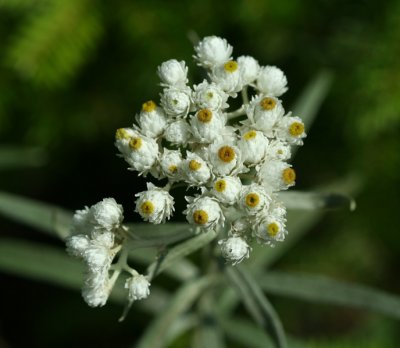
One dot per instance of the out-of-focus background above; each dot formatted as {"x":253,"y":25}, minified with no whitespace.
{"x":73,"y":71}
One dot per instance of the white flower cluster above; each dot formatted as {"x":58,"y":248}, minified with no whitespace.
{"x":97,"y":236}
{"x":236,"y":159}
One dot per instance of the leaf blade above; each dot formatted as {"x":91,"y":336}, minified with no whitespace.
{"x":321,"y":289}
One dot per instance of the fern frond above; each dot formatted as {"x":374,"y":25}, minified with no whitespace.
{"x":53,"y":45}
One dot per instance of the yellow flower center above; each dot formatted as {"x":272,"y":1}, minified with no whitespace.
{"x":204,"y":115}
{"x":231,"y":66}
{"x":147,"y":208}
{"x":252,"y":200}
{"x":250,"y":135}
{"x":194,"y":165}
{"x":288,"y":176}
{"x":226,"y":154}
{"x":149,"y":106}
{"x":279,"y":152}
{"x":268,"y":103}
{"x":173,"y":168}
{"x":272,"y":229}
{"x":200,"y":217}
{"x":122,"y":134}
{"x":220,"y":185}
{"x":210,"y":95}
{"x":135,"y":143}
{"x":296,"y":129}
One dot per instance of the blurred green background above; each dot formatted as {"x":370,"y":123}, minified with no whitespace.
{"x":73,"y":71}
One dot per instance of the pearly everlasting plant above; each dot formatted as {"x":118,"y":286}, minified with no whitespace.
{"x":235,"y":162}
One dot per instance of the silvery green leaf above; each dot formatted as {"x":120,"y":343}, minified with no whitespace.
{"x":257,"y":304}
{"x":250,"y":335}
{"x":45,"y":217}
{"x":156,"y":334}
{"x":54,"y":266}
{"x":309,"y":102}
{"x":170,"y":256}
{"x":299,"y":200}
{"x":150,"y":235}
{"x":321,"y":289}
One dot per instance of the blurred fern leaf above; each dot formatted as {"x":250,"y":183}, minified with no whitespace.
{"x":51,"y":47}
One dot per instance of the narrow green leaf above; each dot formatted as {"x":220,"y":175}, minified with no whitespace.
{"x":19,"y":157}
{"x":45,"y":217}
{"x":309,"y":102}
{"x":183,"y":269}
{"x":170,"y":256}
{"x":52,"y":265}
{"x":150,"y":235}
{"x":299,"y":200}
{"x":155,"y":335}
{"x":251,"y":336}
{"x":322,"y":289}
{"x":257,"y":304}
{"x":40,"y":262}
{"x":181,"y":325}
{"x":208,"y":332}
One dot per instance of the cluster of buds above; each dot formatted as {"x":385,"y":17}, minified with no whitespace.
{"x":97,"y":236}
{"x":237,"y":160}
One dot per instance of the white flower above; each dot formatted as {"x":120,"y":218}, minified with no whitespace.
{"x":234,"y":249}
{"x":204,"y":212}
{"x":77,"y":244}
{"x":138,"y":150}
{"x":96,"y":288}
{"x":272,"y":81}
{"x":99,"y":255}
{"x":279,"y":150}
{"x":170,"y":162}
{"x":276,"y":175}
{"x":80,"y":222}
{"x":227,"y":189}
{"x":212,"y":51}
{"x":253,"y":199}
{"x":208,"y":95}
{"x":248,"y":68}
{"x":270,"y":230}
{"x":178,"y":132}
{"x":253,"y":145}
{"x":154,"y":205}
{"x":207,"y":125}
{"x":264,"y":113}
{"x":151,"y":119}
{"x":138,"y":287}
{"x":227,"y":77}
{"x":173,"y":73}
{"x":107,"y":214}
{"x":195,"y":170}
{"x":291,"y":129}
{"x":225,"y":158}
{"x":176,"y":101}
